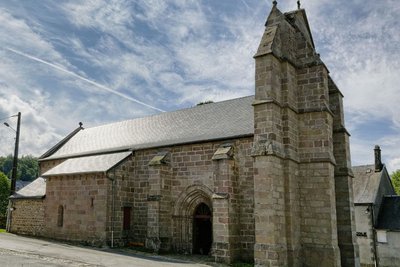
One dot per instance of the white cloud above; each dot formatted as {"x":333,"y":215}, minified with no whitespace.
{"x":176,"y":53}
{"x":36,"y":132}
{"x":100,"y":14}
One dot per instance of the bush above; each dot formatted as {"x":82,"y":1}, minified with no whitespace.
{"x":4,"y":194}
{"x":3,"y":222}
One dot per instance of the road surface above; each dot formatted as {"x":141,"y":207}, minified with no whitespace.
{"x":17,"y":251}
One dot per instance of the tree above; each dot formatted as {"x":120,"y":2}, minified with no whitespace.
{"x":396,"y":181}
{"x":28,"y":167}
{"x":205,"y":102}
{"x":6,"y":164}
{"x":4,"y":194}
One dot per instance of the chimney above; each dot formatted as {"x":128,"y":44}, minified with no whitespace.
{"x":378,"y":160}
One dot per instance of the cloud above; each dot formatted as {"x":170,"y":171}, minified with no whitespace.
{"x":36,"y":132}
{"x":174,"y":54}
{"x":185,"y":45}
{"x":99,"y":14}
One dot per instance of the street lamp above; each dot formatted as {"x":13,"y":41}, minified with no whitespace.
{"x":15,"y":162}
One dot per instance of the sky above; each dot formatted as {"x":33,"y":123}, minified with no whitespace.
{"x":102,"y":61}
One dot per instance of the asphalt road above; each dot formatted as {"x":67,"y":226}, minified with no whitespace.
{"x":29,"y":252}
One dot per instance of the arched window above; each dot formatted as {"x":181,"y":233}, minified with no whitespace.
{"x":60,"y":218}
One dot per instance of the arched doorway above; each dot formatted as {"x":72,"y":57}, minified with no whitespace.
{"x":202,"y":230}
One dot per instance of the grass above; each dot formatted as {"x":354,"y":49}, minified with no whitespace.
{"x":2,"y":230}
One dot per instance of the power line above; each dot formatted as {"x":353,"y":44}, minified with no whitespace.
{"x":8,"y":117}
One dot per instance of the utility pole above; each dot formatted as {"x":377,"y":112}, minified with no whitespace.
{"x":15,"y":162}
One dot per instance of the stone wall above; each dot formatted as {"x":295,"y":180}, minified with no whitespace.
{"x":161,"y":197}
{"x":27,"y":217}
{"x":365,"y":235}
{"x":388,"y":252}
{"x":120,"y":196}
{"x":44,"y":166}
{"x":166,"y":195}
{"x":76,"y":208}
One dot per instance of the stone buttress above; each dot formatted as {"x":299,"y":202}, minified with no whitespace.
{"x":159,"y":208}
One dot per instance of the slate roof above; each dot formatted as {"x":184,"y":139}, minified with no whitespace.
{"x":36,"y":189}
{"x":221,"y":120}
{"x":365,"y":184}
{"x":389,"y":216}
{"x":89,"y":164}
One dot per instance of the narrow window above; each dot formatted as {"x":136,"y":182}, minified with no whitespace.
{"x":60,"y":219}
{"x":127,"y":218}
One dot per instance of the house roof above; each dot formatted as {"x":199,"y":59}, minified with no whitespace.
{"x":221,"y":120}
{"x":365,"y":184}
{"x":89,"y":164}
{"x":389,"y":216}
{"x":36,"y":189}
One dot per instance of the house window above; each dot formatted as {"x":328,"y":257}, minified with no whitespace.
{"x":127,"y":218}
{"x":381,"y":236}
{"x":60,"y":218}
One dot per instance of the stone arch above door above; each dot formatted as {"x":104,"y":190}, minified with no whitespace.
{"x":191,"y":198}
{"x":184,"y":210}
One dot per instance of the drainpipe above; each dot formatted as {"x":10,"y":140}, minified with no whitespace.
{"x":374,"y":236}
{"x":9,"y":214}
{"x":112,"y":179}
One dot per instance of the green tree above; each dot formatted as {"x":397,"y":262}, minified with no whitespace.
{"x":396,"y":181}
{"x":6,"y":165}
{"x":4,"y":194}
{"x":28,"y":167}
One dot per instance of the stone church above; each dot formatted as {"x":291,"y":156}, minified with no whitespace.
{"x":263,"y":178}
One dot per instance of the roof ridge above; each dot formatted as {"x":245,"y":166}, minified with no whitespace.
{"x":365,"y":165}
{"x":62,"y":142}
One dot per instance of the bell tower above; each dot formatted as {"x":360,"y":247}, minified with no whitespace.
{"x":302,"y":167}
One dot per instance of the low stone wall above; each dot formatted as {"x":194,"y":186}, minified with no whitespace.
{"x":76,"y":208}
{"x":27,"y":217}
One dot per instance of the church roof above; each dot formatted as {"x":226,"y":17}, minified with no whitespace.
{"x":89,"y":164}
{"x":36,"y":189}
{"x":214,"y":121}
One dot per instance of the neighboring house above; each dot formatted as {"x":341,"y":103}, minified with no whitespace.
{"x":377,"y":217}
{"x":264,"y":178}
{"x":388,"y":232}
{"x":27,"y":216}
